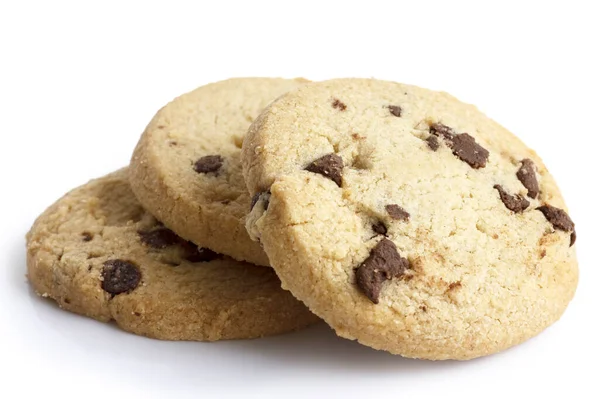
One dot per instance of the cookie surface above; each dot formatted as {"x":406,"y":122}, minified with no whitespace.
{"x":98,"y":253}
{"x":408,"y":220}
{"x":186,"y":168}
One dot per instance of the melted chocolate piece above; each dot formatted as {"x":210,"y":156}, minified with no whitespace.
{"x":559,"y":218}
{"x":432,"y":142}
{"x":526,"y":175}
{"x":395,"y":110}
{"x":208,"y":164}
{"x":467,"y":150}
{"x":516,"y":203}
{"x":160,"y":238}
{"x":396,"y":212}
{"x":120,"y":276}
{"x":330,"y":166}
{"x":441,"y":130}
{"x":383,"y":263}
{"x":380,"y":228}
{"x":336,"y":103}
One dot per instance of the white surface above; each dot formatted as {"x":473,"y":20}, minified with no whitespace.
{"x":78,"y":84}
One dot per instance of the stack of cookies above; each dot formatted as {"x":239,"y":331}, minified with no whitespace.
{"x":402,"y":217}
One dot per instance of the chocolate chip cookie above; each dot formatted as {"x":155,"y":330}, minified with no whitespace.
{"x":98,"y":253}
{"x":186,"y":168}
{"x":409,"y":220}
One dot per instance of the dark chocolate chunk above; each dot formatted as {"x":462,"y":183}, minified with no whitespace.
{"x":516,"y":203}
{"x":159,"y":238}
{"x":396,"y":212}
{"x":559,"y":218}
{"x":441,"y":130}
{"x":432,"y":142}
{"x":208,"y":164}
{"x":265,"y":195}
{"x":573,"y":238}
{"x":383,"y":263}
{"x":196,"y":255}
{"x":395,"y":110}
{"x":330,"y":166}
{"x":465,"y":148}
{"x":380,"y":228}
{"x":86,"y":236}
{"x":336,"y":103}
{"x":120,"y":276}
{"x":526,"y":174}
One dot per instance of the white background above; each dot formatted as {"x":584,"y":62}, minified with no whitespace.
{"x":79,"y":82}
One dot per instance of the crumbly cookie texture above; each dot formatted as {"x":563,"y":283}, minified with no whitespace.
{"x":186,"y":168}
{"x":408,"y":220}
{"x":96,"y":252}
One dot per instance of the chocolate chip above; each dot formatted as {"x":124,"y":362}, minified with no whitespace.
{"x":465,"y":148}
{"x":159,"y":238}
{"x":265,"y":195}
{"x":336,"y":103}
{"x":395,"y":110}
{"x":559,"y":218}
{"x":383,"y":263}
{"x":85,"y":236}
{"x":463,"y":145}
{"x":120,"y":276}
{"x":396,"y":212}
{"x":573,"y":238}
{"x":526,"y":174}
{"x":196,"y":255}
{"x":439,"y":129}
{"x":380,"y":228}
{"x":330,"y":166}
{"x":516,"y":203}
{"x":432,"y":142}
{"x":208,"y":164}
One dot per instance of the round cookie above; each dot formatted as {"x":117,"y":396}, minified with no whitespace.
{"x":98,"y":253}
{"x":408,"y":220}
{"x":186,"y":168}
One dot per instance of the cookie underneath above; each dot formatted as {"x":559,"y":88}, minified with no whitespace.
{"x":96,"y":252}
